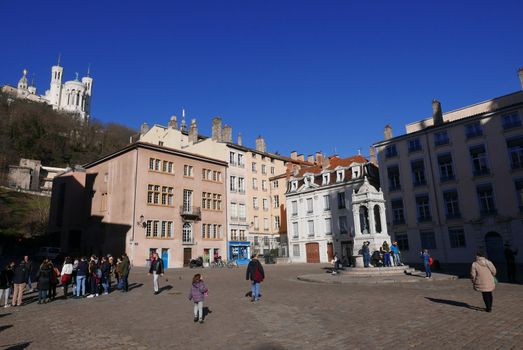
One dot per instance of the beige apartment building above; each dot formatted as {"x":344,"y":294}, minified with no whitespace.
{"x":255,"y":205}
{"x":454,"y":182}
{"x":144,"y":198}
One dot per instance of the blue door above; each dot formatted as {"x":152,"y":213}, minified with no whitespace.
{"x":165,"y":258}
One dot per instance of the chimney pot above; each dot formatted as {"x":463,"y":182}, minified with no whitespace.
{"x":260,"y":144}
{"x":240,"y":141}
{"x":144,"y":129}
{"x":227,"y":134}
{"x":319,"y":158}
{"x":437,"y":115}
{"x":387,"y":132}
{"x":217,"y":129}
{"x":193,"y":132}
{"x":173,"y":123}
{"x":294,"y":155}
{"x":310,"y":158}
{"x":301,"y":157}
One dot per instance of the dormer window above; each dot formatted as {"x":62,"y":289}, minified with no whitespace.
{"x":294,"y":185}
{"x":326,"y":178}
{"x":309,"y":180}
{"x":340,"y":175}
{"x":355,"y":172}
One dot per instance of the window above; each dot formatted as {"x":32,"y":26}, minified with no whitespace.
{"x":265,"y":204}
{"x":241,"y":184}
{"x":296,"y":250}
{"x":441,"y":138}
{"x":473,"y":130}
{"x":272,"y":168}
{"x":241,"y":211}
{"x":391,"y":151}
{"x":232,"y":158}
{"x":266,"y":224}
{"x":164,"y":229}
{"x":398,"y":214}
{"x":294,"y":206}
{"x":446,"y":172}
{"x":326,"y":202}
{"x":164,"y":166}
{"x":277,"y":223}
{"x":157,"y":163}
{"x":393,"y":174}
{"x":344,"y":227}
{"x":241,"y":161}
{"x":486,"y":199}
{"x":456,"y":237}
{"x":155,"y":228}
{"x":423,"y":207}
{"x":234,"y":235}
{"x":264,"y":185}
{"x":234,"y":210}
{"x":341,"y":200}
{"x":214,"y":231}
{"x":326,"y":178}
{"x":451,"y":204}
{"x":275,"y":184}
{"x":254,"y":184}
{"x":515,"y":152}
{"x":151,"y":163}
{"x":169,"y":229}
{"x":418,"y":172}
{"x":153,"y":194}
{"x":478,"y":155}
{"x":310,"y":224}
{"x":294,"y":185}
{"x":510,"y":121}
{"x":309,"y":206}
{"x":188,"y":170}
{"x":340,"y":175}
{"x":253,"y":166}
{"x":148,"y":228}
{"x":403,"y":241}
{"x":414,"y":145}
{"x":295,"y":233}
{"x":256,"y":223}
{"x":170,"y":167}
{"x":519,"y":192}
{"x":328,"y":226}
{"x":232,"y":183}
{"x":242,"y":235}
{"x":276,"y":201}
{"x":264,"y":169}
{"x":428,"y":240}
{"x":255,"y":202}
{"x":206,"y":200}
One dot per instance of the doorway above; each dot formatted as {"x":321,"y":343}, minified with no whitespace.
{"x":330,"y":252}
{"x":313,"y":252}
{"x":494,"y":244}
{"x":165,"y":257}
{"x":187,"y":256}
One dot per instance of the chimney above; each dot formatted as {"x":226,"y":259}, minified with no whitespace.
{"x":294,"y":155}
{"x":520,"y":73}
{"x":319,"y":158}
{"x":437,"y":116}
{"x":193,"y":132}
{"x":310,"y":158}
{"x":217,"y":129}
{"x":301,"y":157}
{"x":240,"y":141}
{"x":144,"y":129}
{"x":173,"y":123}
{"x":260,"y":144}
{"x":227,"y":134}
{"x":387,"y":132}
{"x":373,"y":156}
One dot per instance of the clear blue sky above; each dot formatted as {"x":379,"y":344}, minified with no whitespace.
{"x":307,"y":75}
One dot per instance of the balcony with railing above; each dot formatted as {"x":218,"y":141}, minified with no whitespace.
{"x":188,"y":240}
{"x":189,"y":212}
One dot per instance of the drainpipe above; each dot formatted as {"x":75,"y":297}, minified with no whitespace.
{"x":134,"y":207}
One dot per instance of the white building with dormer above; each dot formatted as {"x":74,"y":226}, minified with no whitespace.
{"x":73,"y":96}
{"x":320,"y":216}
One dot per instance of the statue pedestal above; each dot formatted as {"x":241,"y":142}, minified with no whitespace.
{"x":358,"y":261}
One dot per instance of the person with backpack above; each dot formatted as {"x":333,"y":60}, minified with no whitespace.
{"x":256,"y":275}
{"x":483,"y":276}
{"x":197,"y":295}
{"x":427,"y":261}
{"x":81,"y":274}
{"x":156,"y":270}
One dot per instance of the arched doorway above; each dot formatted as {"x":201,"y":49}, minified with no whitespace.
{"x":494,"y":244}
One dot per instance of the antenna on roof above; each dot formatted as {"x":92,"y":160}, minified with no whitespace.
{"x":59,"y":56}
{"x":89,"y":70}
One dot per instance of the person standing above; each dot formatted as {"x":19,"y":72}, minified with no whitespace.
{"x":20,"y":278}
{"x":426,"y":263}
{"x":44,"y":277}
{"x":395,"y":254}
{"x":156,"y":270}
{"x":66,"y":273}
{"x":483,"y":274}
{"x":510,"y":257}
{"x":385,"y":250}
{"x":126,"y":269}
{"x":95,"y":276}
{"x":6,"y":279}
{"x":81,"y":273}
{"x":118,"y":273}
{"x":197,"y":295}
{"x":55,"y":274}
{"x":105,"y":268}
{"x":366,"y":253}
{"x":256,"y":274}
{"x":29,"y":265}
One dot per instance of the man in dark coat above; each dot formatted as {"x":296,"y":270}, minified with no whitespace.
{"x":20,"y":279}
{"x":256,"y":274}
{"x":126,"y":268}
{"x":156,"y":270}
{"x":44,"y":277}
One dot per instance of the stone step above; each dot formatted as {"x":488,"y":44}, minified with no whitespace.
{"x":379,"y":271}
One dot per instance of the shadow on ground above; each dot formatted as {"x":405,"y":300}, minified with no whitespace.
{"x":455,"y":303}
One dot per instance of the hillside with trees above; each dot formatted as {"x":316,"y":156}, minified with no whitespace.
{"x":36,"y":131}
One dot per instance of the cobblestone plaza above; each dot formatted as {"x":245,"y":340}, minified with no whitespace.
{"x":291,"y":315}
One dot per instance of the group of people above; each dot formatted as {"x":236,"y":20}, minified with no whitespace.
{"x":386,"y":256}
{"x":88,"y":278}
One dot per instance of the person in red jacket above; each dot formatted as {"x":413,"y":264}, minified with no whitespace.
{"x":256,"y":274}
